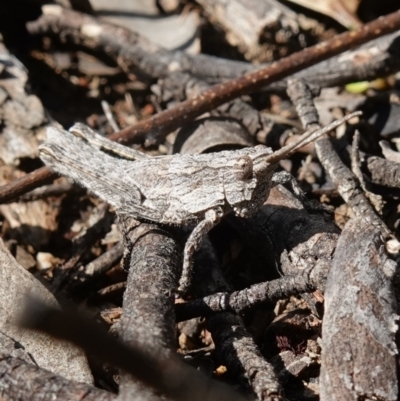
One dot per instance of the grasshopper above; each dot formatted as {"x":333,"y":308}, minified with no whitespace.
{"x":184,"y":190}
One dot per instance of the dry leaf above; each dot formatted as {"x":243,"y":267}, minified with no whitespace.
{"x":343,"y":11}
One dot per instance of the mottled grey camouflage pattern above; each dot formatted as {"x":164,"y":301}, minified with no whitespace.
{"x":184,"y":190}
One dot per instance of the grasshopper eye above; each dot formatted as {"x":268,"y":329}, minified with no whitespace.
{"x":244,"y":168}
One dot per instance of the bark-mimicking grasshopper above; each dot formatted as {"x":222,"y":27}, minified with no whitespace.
{"x":185,"y":190}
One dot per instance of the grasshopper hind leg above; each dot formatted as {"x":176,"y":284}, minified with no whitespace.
{"x":100,"y":142}
{"x":211,"y":219}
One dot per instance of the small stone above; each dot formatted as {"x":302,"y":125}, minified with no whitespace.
{"x":46,"y":261}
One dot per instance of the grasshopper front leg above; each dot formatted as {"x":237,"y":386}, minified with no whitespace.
{"x":211,"y":219}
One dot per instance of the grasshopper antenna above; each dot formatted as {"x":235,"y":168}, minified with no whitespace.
{"x":306,"y":138}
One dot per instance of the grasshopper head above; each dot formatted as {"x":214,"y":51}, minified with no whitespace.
{"x":246,"y":180}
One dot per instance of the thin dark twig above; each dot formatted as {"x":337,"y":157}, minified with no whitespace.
{"x":105,"y":261}
{"x":56,"y":189}
{"x":270,"y":291}
{"x":20,"y":186}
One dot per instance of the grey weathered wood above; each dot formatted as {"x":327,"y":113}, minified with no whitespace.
{"x":22,"y":113}
{"x":383,"y":172}
{"x":358,"y":330}
{"x":59,"y":357}
{"x":23,"y":380}
{"x":148,"y":308}
{"x":254,"y":25}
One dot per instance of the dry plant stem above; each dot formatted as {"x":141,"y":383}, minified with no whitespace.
{"x":345,"y":181}
{"x":28,"y":182}
{"x":154,"y":129}
{"x":358,"y":330}
{"x":113,"y":288}
{"x":234,"y":344}
{"x":105,"y":261}
{"x":238,"y":351}
{"x":50,"y":190}
{"x":355,"y":160}
{"x":379,"y":57}
{"x":376,"y":200}
{"x":271,"y":291}
{"x":148,"y":307}
{"x":169,"y":376}
{"x":161,"y":124}
{"x":24,"y":381}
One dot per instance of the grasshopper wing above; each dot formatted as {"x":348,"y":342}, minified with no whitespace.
{"x":196,"y":186}
{"x":100,"y":173}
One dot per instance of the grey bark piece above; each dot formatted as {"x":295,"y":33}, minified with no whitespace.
{"x":383,"y":172}
{"x":358,"y":330}
{"x":148,"y":308}
{"x":41,"y":385}
{"x":205,"y":134}
{"x":389,"y":153}
{"x":173,"y":32}
{"x":59,"y":357}
{"x":239,"y":352}
{"x":247,"y":21}
{"x":20,"y":112}
{"x":16,"y":143}
{"x":27,"y":113}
